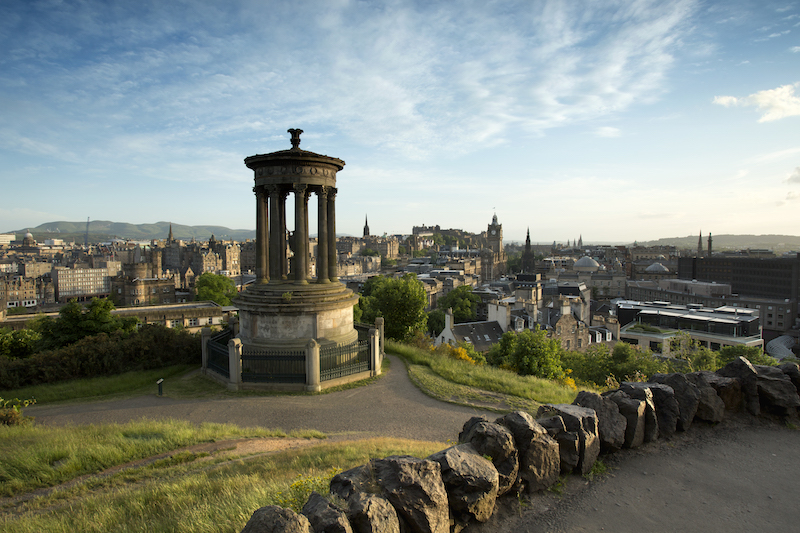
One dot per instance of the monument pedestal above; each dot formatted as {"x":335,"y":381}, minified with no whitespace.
{"x":286,"y":315}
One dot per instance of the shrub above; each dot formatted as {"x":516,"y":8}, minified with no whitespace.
{"x":152,"y":346}
{"x":11,"y":411}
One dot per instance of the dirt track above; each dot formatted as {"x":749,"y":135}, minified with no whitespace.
{"x":739,"y":476}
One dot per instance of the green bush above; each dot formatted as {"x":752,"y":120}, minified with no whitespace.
{"x":152,"y":346}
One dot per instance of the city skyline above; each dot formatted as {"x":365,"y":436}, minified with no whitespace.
{"x":614,"y":121}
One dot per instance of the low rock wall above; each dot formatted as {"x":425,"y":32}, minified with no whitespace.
{"x":519,"y":453}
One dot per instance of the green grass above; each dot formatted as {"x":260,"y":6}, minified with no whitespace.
{"x":129,"y":383}
{"x":179,"y":383}
{"x":485,"y":377}
{"x":42,"y":456}
{"x":195,"y":495}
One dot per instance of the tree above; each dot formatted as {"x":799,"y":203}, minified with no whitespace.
{"x":754,"y":354}
{"x":463,"y":302}
{"x":75,"y":322}
{"x":369,"y":252}
{"x":436,"y":322}
{"x":18,"y":344}
{"x":400,"y":301}
{"x":528,"y":353}
{"x":215,"y":288}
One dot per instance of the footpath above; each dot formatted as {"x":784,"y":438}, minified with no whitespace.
{"x":738,"y":476}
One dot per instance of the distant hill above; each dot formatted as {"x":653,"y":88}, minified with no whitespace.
{"x":776,"y":243}
{"x":104,"y":230}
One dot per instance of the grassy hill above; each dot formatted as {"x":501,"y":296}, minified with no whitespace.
{"x":104,"y":230}
{"x":777,"y":243}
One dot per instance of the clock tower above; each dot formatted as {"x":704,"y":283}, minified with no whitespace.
{"x":494,"y":236}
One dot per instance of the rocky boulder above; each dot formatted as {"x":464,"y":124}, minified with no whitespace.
{"x":792,"y":370}
{"x":495,"y":441}
{"x":582,"y":423}
{"x":370,"y":513}
{"x":686,"y":394}
{"x":610,"y":423}
{"x":667,"y":410}
{"x":741,"y":370}
{"x":539,"y":455}
{"x":729,"y":390}
{"x":634,"y":412}
{"x":274,"y":519}
{"x":471,"y":482}
{"x":413,"y":486}
{"x":710,"y":408}
{"x":324,"y":516}
{"x":776,"y":390}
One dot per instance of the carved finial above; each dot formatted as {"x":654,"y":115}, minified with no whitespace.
{"x":295,"y":137}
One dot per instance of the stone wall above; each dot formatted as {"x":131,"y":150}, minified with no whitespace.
{"x":519,"y":453}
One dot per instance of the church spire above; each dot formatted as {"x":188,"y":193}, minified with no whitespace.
{"x":366,"y":226}
{"x":170,"y":239}
{"x":700,"y":245}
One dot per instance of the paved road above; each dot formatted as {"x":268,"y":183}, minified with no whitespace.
{"x":392,"y":406}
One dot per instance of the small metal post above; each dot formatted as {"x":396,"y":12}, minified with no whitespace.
{"x":160,"y":384}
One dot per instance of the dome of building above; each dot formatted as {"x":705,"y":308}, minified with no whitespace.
{"x":656,"y":268}
{"x":586,"y":264}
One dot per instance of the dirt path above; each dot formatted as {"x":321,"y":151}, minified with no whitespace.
{"x":738,"y":477}
{"x":392,"y":406}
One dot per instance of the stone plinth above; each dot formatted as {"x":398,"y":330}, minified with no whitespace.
{"x":287,"y":316}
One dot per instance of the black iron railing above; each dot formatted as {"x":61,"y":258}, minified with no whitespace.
{"x":343,"y":360}
{"x":217,"y":348}
{"x":273,"y":366}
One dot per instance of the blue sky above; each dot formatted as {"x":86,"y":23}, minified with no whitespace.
{"x":614,"y":120}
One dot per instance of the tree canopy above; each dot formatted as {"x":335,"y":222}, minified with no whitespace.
{"x":400,"y":301}
{"x":75,"y":322}
{"x":463,"y":302}
{"x":215,"y":288}
{"x":528,"y":352}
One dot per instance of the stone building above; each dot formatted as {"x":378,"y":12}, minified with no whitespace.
{"x":493,"y":258}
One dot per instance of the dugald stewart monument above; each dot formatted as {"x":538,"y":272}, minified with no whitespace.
{"x":286,"y":311}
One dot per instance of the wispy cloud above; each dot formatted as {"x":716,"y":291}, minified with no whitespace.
{"x":202,"y":75}
{"x":608,"y":131}
{"x":774,"y":104}
{"x":795,"y":176}
{"x":795,"y":49}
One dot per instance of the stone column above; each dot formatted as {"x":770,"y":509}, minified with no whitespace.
{"x":235,"y":364}
{"x":275,"y":253}
{"x":284,"y":263}
{"x":300,"y":234}
{"x":312,"y":366}
{"x":322,"y":236}
{"x":262,"y":236}
{"x":333,"y":267}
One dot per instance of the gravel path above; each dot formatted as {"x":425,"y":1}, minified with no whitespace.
{"x":738,"y":476}
{"x":392,"y":406}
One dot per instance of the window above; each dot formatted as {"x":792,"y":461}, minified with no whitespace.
{"x":194,"y":322}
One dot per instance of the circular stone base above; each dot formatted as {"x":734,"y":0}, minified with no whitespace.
{"x":288,"y":315}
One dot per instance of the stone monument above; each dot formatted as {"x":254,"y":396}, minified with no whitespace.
{"x":285,"y":309}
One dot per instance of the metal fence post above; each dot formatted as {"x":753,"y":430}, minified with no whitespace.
{"x":235,"y":364}
{"x":205,"y":334}
{"x":312,"y":366}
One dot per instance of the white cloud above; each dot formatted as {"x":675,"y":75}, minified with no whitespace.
{"x":795,"y":49}
{"x":608,"y":131}
{"x":727,"y":101}
{"x":774,"y":104}
{"x":791,"y":196}
{"x":795,"y":176}
{"x":412,"y":79}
